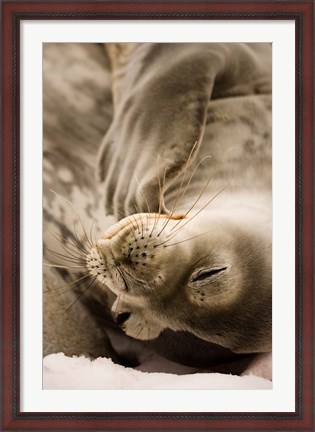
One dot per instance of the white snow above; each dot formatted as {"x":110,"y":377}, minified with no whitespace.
{"x":80,"y":373}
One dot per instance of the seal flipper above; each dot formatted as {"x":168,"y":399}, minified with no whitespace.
{"x":165,"y":90}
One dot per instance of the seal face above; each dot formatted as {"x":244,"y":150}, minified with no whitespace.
{"x":165,"y":277}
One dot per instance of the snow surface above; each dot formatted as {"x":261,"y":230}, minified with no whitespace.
{"x":81,"y":373}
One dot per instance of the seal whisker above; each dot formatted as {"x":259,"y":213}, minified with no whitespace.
{"x":136,"y":222}
{"x":168,"y":239}
{"x":76,"y":236}
{"x":202,"y":208}
{"x":182,"y":241}
{"x":192,"y":175}
{"x":69,"y":257}
{"x":120,"y":234}
{"x":161,"y":189}
{"x":194,"y":204}
{"x":187,"y":164}
{"x":71,"y":253}
{"x":75,"y":210}
{"x":136,"y":208}
{"x":97,"y":281}
{"x":78,"y":268}
{"x":179,"y":194}
{"x":67,"y":284}
{"x":132,"y":278}
{"x":160,"y":193}
{"x":68,"y":246}
{"x":199,"y":196}
{"x":91,"y":232}
{"x":52,"y":292}
{"x":70,"y":241}
{"x":74,"y":260}
{"x":147,"y":228}
{"x":122,"y":275}
{"x":61,"y":239}
{"x":142,"y":193}
{"x":96,"y":235}
{"x":133,"y":227}
{"x":157,"y":172}
{"x":119,"y":211}
{"x":174,"y":235}
{"x":141,"y":224}
{"x":81,"y":294}
{"x":84,"y":231}
{"x":206,"y":185}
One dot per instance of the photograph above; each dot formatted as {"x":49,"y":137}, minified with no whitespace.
{"x":157,"y":223}
{"x":157,"y":215}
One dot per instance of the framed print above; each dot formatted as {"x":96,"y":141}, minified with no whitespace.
{"x":157,"y":225}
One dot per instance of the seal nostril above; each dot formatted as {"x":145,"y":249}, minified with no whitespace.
{"x":122,"y":318}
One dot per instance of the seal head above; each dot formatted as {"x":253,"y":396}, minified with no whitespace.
{"x":211,"y":279}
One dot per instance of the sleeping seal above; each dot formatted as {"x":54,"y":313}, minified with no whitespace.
{"x":186,"y":166}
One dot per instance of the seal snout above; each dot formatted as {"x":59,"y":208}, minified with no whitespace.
{"x":131,"y":255}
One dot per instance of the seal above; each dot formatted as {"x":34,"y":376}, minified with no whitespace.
{"x":186,"y":166}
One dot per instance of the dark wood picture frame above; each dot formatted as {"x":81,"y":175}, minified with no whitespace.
{"x":12,"y":15}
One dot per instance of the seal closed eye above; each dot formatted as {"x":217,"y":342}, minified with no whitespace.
{"x":205,"y":274}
